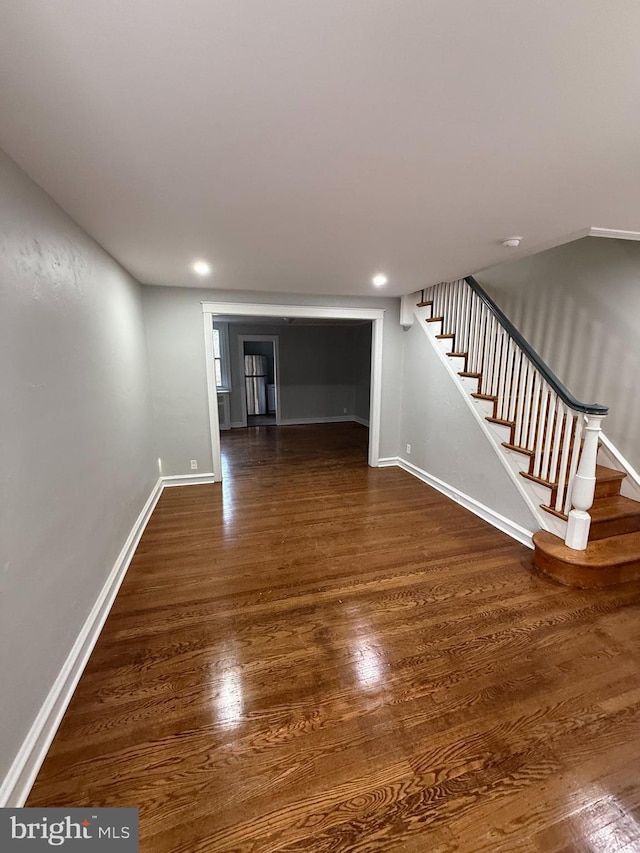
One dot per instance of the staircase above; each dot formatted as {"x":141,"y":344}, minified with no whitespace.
{"x":549,"y":440}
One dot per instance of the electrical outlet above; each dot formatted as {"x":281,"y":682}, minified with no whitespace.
{"x":344,"y":411}
{"x":194,"y":464}
{"x":409,"y":449}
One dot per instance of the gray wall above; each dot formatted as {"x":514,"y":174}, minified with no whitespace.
{"x":175,"y":340}
{"x":362,"y":366}
{"x":579,"y":306}
{"x":76,"y":460}
{"x":319,"y":368}
{"x":446,"y":440}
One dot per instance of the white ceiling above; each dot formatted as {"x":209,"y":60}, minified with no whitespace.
{"x":303,"y":145}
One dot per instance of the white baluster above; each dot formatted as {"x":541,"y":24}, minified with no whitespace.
{"x":515,"y":385}
{"x":474,"y":334}
{"x":584,"y":487}
{"x":561,"y":414}
{"x":575,"y":458}
{"x":540,"y":431}
{"x":532,"y":431}
{"x":564,"y":460}
{"x":464,"y":321}
{"x":502,"y":372}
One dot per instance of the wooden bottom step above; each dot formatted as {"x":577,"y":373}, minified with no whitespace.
{"x":614,"y":516}
{"x":609,"y":561}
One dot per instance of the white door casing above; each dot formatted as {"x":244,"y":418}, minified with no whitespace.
{"x":251,"y":309}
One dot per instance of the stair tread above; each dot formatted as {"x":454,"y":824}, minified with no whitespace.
{"x":434,"y":319}
{"x":423,"y":304}
{"x":601,"y":476}
{"x":515,"y":447}
{"x":603,"y":509}
{"x":461,"y":354}
{"x":615,"y":506}
{"x":499,"y":421}
{"x":604,"y":474}
{"x":557,"y":512}
{"x":601,"y":553}
{"x":446,"y":335}
{"x":470,"y":375}
{"x":539,"y":480}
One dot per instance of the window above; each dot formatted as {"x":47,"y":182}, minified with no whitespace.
{"x":217,"y":350}
{"x":221,"y":355}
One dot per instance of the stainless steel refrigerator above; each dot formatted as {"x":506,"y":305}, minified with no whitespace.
{"x":255,"y":381}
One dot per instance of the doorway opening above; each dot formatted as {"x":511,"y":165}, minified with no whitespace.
{"x":259,"y":368}
{"x":238,"y":311}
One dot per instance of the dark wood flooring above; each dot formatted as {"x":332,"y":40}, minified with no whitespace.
{"x":320,"y":656}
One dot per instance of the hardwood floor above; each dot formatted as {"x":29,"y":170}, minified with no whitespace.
{"x":320,"y":656}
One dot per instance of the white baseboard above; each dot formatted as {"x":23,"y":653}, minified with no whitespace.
{"x":520,"y":534}
{"x":18,"y":782}
{"x":335,"y":419}
{"x":187,"y":479}
{"x":388,"y":461}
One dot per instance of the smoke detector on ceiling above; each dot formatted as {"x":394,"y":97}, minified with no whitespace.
{"x":512,"y":242}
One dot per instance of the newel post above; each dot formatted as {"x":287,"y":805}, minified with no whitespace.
{"x":584,"y":486}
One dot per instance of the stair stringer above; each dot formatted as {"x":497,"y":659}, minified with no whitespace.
{"x":533,"y":494}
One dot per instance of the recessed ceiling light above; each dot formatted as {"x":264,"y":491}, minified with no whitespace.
{"x":512,"y":242}
{"x":379,"y":279}
{"x":201,"y":267}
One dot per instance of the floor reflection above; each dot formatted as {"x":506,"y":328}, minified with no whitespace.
{"x":228,"y":696}
{"x":228,"y":492}
{"x":607,"y":827}
{"x":369,"y":664}
{"x":368,"y":657}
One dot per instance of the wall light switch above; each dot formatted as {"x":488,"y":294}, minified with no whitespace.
{"x":194,"y":464}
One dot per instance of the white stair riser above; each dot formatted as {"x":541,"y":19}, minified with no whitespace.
{"x":502,"y":432}
{"x":423,"y":314}
{"x":517,"y":461}
{"x":469,"y":384}
{"x":434,"y":328}
{"x":445,"y":344}
{"x":457,"y":363}
{"x":485,"y":407}
{"x":542,"y":493}
{"x":556,"y":525}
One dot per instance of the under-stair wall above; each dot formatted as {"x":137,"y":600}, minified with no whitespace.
{"x":449,"y":447}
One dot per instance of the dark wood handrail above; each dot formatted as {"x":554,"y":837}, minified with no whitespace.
{"x":565,"y":395}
